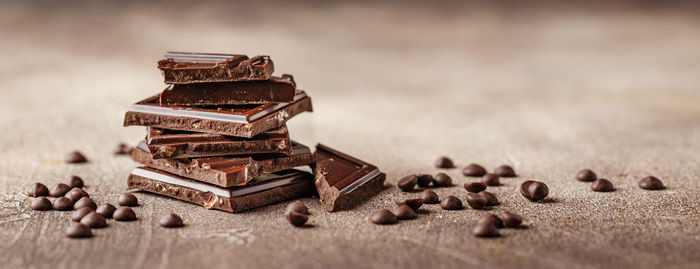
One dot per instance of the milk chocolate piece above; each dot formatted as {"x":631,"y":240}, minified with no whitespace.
{"x":226,"y":171}
{"x":274,"y":90}
{"x":265,"y":190}
{"x":185,"y":67}
{"x":163,"y":143}
{"x":239,"y":120}
{"x":342,"y":181}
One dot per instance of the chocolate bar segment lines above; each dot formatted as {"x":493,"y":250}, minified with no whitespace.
{"x":183,"y":68}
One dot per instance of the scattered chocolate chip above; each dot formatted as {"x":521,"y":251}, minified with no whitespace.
{"x":651,"y":183}
{"x":296,"y":218}
{"x":76,"y":193}
{"x":534,"y":190}
{"x":414,"y":204}
{"x":491,"y":199}
{"x":59,"y":190}
{"x":451,"y":203}
{"x":85,"y":202}
{"x":442,"y":180}
{"x":121,"y":149}
{"x":94,"y":220}
{"x":408,"y":183}
{"x":429,"y":197}
{"x":404,"y":212}
{"x":586,"y":175}
{"x":75,"y":181}
{"x":602,"y":185}
{"x":124,"y":214}
{"x":490,"y":179}
{"x":424,"y":180}
{"x":444,"y":162}
{"x":77,"y":230}
{"x":41,"y":204}
{"x":474,"y":187}
{"x":297,"y":206}
{"x":106,"y":210}
{"x":474,"y":170}
{"x":476,"y":201}
{"x":171,"y":221}
{"x":62,"y":204}
{"x":75,"y":157}
{"x":485,"y":229}
{"x":505,"y":171}
{"x":128,"y":199}
{"x":38,"y":190}
{"x":511,"y":220}
{"x":491,"y":218}
{"x":383,"y":217}
{"x":79,"y":213}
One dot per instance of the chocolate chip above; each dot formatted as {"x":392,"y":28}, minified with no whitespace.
{"x":75,"y":157}
{"x":121,"y":149}
{"x":106,"y":210}
{"x":534,"y":190}
{"x":602,"y":185}
{"x":476,"y":201}
{"x":424,"y":180}
{"x":75,"y":181}
{"x":505,"y":171}
{"x":485,"y":229}
{"x":85,"y":202}
{"x":442,"y":180}
{"x":79,"y":213}
{"x":41,"y":204}
{"x":38,"y":190}
{"x":59,"y":190}
{"x":128,"y":199}
{"x":383,"y":217}
{"x":429,"y":197}
{"x":62,"y":204}
{"x":408,"y":183}
{"x":444,"y":162}
{"x":491,"y":199}
{"x":404,"y":212}
{"x":651,"y":183}
{"x":171,"y":221}
{"x":77,"y":230}
{"x":474,"y":187}
{"x":511,"y":220}
{"x":414,"y":204}
{"x":586,"y":175}
{"x":297,"y":206}
{"x":297,"y":219}
{"x":124,"y":214}
{"x":490,"y":179}
{"x":474,"y":170}
{"x":451,"y":203}
{"x":76,"y":193}
{"x":491,"y":218}
{"x":94,"y":220}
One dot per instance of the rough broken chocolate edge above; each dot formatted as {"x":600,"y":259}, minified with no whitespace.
{"x":248,"y":130}
{"x":245,"y":71}
{"x":204,"y":149}
{"x":211,"y":201}
{"x":332,"y":200}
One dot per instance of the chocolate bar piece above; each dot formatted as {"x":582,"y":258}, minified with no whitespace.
{"x":163,"y":143}
{"x":184,"y":67}
{"x":226,"y":171}
{"x":343,"y":181}
{"x":267,"y":189}
{"x":240,"y":120}
{"x":274,"y":90}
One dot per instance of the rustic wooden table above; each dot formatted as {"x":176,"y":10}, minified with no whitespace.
{"x":549,"y":90}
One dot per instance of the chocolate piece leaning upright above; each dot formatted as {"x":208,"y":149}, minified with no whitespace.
{"x":241,"y":120}
{"x":274,"y":90}
{"x":342,"y":181}
{"x":184,"y":67}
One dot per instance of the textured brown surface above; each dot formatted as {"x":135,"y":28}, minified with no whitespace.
{"x":549,"y":90}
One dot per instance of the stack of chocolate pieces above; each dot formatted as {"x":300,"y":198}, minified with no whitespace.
{"x":216,"y":136}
